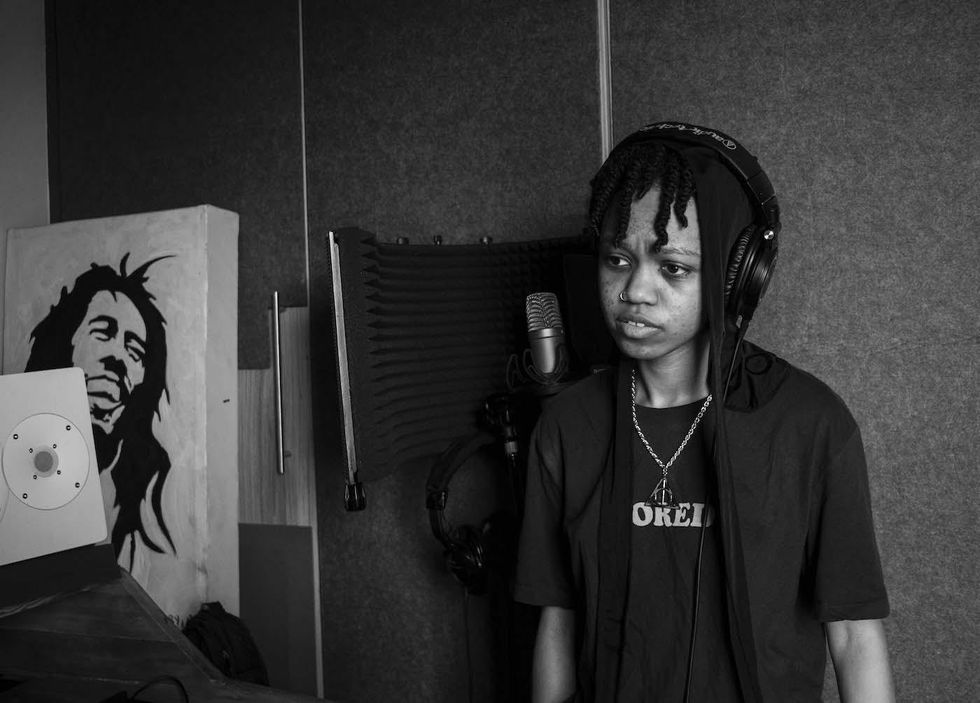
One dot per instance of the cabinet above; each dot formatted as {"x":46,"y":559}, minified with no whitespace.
{"x":277,"y":512}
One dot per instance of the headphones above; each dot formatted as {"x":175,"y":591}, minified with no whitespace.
{"x":471,"y":553}
{"x":753,"y":256}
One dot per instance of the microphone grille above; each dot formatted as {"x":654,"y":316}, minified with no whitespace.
{"x":542,"y":311}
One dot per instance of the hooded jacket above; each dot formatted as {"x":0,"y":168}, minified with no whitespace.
{"x":740,"y":430}
{"x":723,"y":213}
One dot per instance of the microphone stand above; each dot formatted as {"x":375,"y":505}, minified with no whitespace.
{"x":523,"y":375}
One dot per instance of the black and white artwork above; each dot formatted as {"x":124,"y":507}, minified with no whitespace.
{"x":108,"y":324}
{"x":125,"y":300}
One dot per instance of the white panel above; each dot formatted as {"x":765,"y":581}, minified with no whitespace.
{"x":50,"y":480}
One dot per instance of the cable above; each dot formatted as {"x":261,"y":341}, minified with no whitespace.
{"x":697,"y":604}
{"x":123,"y":697}
{"x":704,"y":522}
{"x":738,"y":343}
{"x":163,"y":679}
{"x":469,"y":657}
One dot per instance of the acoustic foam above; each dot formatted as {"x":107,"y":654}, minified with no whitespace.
{"x":429,"y":333}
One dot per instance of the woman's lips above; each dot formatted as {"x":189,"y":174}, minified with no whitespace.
{"x":636,"y":326}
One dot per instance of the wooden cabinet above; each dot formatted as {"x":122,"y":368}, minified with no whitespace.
{"x":277,"y":512}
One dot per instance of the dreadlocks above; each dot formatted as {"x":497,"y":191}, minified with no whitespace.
{"x":130,"y":445}
{"x":628,"y":174}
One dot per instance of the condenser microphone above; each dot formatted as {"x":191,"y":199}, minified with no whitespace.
{"x":546,"y":335}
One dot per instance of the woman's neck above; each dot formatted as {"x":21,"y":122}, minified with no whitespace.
{"x":671,"y":381}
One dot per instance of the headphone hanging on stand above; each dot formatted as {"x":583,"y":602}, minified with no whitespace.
{"x":471,"y":552}
{"x":752,"y":258}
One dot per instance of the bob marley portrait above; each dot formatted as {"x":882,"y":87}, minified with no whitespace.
{"x":109,"y":326}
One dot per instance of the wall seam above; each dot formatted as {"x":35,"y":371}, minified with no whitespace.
{"x":605,"y":77}
{"x":314,"y":518}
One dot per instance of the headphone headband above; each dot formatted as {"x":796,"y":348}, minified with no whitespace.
{"x":745,"y":166}
{"x":446,"y":465}
{"x":464,"y":549}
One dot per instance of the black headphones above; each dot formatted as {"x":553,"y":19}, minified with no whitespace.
{"x":753,"y":256}
{"x":471,"y":553}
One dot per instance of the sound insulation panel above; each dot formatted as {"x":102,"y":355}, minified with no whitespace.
{"x":429,"y":332}
{"x":864,"y":117}
{"x":165,"y":105}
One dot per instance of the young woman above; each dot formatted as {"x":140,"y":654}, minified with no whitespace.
{"x":698,"y":522}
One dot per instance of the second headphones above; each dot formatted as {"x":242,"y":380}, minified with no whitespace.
{"x":472,"y":553}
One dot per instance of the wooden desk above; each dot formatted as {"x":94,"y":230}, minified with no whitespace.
{"x":91,"y":644}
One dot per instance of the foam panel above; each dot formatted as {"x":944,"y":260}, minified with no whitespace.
{"x":162,"y":106}
{"x":429,"y":332}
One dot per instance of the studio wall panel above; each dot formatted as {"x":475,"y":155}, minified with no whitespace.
{"x":451,"y":119}
{"x":863,"y":115}
{"x":160,"y":105}
{"x":23,"y":123}
{"x":460,"y":120}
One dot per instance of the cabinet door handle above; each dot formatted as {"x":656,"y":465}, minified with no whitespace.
{"x":277,"y":375}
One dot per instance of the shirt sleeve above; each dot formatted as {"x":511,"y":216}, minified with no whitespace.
{"x":543,"y":574}
{"x":847,"y":577}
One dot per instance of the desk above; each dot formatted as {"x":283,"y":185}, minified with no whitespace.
{"x":85,"y":646}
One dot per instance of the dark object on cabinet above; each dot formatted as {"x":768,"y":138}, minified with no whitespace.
{"x":227,"y":643}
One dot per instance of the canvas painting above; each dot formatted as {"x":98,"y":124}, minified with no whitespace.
{"x":126,"y":299}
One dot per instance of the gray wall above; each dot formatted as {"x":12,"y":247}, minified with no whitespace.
{"x":451,"y":119}
{"x":23,"y":123}
{"x":162,"y":105}
{"x":864,"y":116}
{"x":463,"y":119}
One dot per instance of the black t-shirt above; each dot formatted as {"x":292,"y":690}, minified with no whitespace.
{"x":800,"y":484}
{"x":664,"y":569}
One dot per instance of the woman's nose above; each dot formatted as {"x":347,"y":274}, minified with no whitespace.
{"x":641,"y":289}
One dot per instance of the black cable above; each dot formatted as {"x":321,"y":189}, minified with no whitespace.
{"x":164,"y":679}
{"x":469,"y":657}
{"x":738,"y":343}
{"x":123,"y":697}
{"x":704,"y":522}
{"x":697,"y":603}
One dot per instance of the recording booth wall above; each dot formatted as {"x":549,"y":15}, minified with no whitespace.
{"x":429,"y":331}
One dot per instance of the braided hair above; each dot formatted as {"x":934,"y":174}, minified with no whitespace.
{"x":628,"y":174}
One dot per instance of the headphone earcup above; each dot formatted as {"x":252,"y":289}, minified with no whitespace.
{"x":750,"y":266}
{"x":466,"y":558}
{"x":735,"y":271}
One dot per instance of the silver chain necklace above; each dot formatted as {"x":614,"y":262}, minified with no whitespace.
{"x":662,"y":496}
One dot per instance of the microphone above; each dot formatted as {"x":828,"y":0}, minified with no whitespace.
{"x":546,"y":335}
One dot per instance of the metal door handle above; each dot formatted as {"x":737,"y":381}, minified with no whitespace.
{"x":277,"y":374}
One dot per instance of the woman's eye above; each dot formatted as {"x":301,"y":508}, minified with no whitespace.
{"x":616,"y":261}
{"x":675,"y":270}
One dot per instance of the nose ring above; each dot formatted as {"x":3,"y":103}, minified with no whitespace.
{"x":622,"y":296}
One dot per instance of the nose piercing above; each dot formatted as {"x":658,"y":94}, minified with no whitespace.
{"x":622,"y":296}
